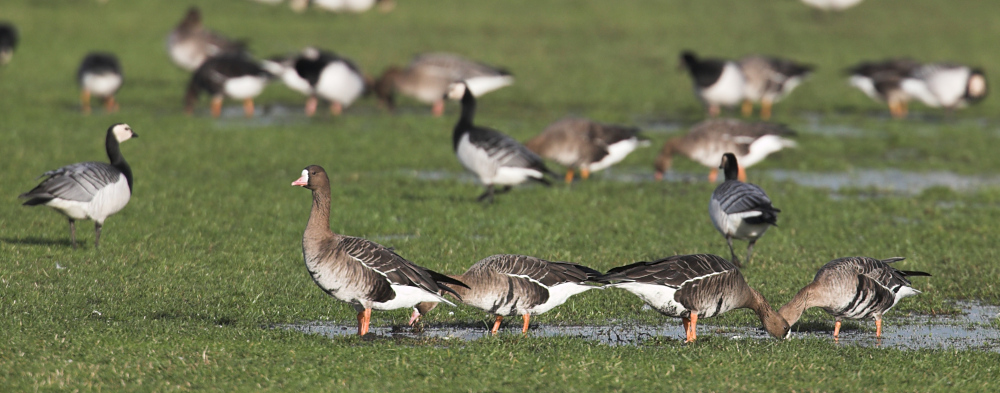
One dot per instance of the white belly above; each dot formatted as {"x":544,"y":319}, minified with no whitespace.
{"x":509,"y":176}
{"x":109,"y":200}
{"x":728,"y":90}
{"x":484,"y":84}
{"x":244,"y":87}
{"x":762,"y":147}
{"x":339,"y":83}
{"x":559,"y":294}
{"x":659,"y":297}
{"x":102,"y":85}
{"x":616,"y":153}
{"x":407,"y":296}
{"x":733,"y":225}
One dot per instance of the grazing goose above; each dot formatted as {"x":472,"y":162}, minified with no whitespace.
{"x":692,"y":287}
{"x":769,"y":79}
{"x":585,"y":145}
{"x":709,"y":140}
{"x":8,"y":42}
{"x":234,"y":76}
{"x":190,"y":43}
{"x":518,"y":285}
{"x":320,"y":73}
{"x":99,"y":74}
{"x":353,"y":6}
{"x":740,"y":210}
{"x":429,"y":75}
{"x":853,"y":288}
{"x":495,"y":158}
{"x":716,"y":82}
{"x":357,"y":271}
{"x":882,"y":81}
{"x":946,"y":85}
{"x":89,"y":190}
{"x":831,"y":5}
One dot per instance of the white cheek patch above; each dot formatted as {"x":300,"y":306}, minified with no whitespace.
{"x":977,"y":86}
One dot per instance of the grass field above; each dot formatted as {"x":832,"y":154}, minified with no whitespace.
{"x":208,"y":255}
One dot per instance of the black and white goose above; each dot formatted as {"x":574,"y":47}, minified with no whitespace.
{"x":708,"y":140}
{"x":429,"y":75}
{"x":8,"y":42}
{"x":882,"y":81}
{"x":831,"y":5}
{"x":362,"y":273}
{"x":234,"y":76}
{"x":497,"y":159}
{"x":585,"y":145}
{"x":853,"y":288}
{"x":768,"y":80}
{"x":190,"y":43}
{"x":89,"y":190}
{"x":692,"y":287}
{"x":507,"y":285}
{"x":100,"y":74}
{"x":740,"y":210}
{"x":946,"y":85}
{"x":717,"y":82}
{"x":323,"y":74}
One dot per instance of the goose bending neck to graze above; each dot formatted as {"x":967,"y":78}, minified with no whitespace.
{"x":235,"y":76}
{"x":768,"y":80}
{"x":692,"y":287}
{"x":740,"y":210}
{"x":8,"y":42}
{"x":429,"y":75}
{"x":100,"y":74}
{"x":518,"y":285}
{"x":495,"y":158}
{"x":853,"y":288}
{"x":320,"y":74}
{"x":707,"y":141}
{"x":946,"y":85}
{"x":585,"y":145}
{"x":89,"y":190}
{"x":357,"y":271}
{"x":190,"y":43}
{"x":883,"y":81}
{"x":716,"y":82}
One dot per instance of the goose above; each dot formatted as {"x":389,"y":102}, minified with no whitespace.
{"x":853,"y":288}
{"x":495,"y":158}
{"x":508,"y":284}
{"x":716,"y":82}
{"x":831,"y":5}
{"x":691,"y":287}
{"x":708,"y":140}
{"x":8,"y":42}
{"x":89,"y":190}
{"x":882,"y":81}
{"x":429,"y":75}
{"x":768,"y":80}
{"x":234,"y":76}
{"x":316,"y":72}
{"x":353,"y":6}
{"x":740,"y":210}
{"x":360,"y":272}
{"x":190,"y":43}
{"x":946,"y":85}
{"x":100,"y":74}
{"x":585,"y":145}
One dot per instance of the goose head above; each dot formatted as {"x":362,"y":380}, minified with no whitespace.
{"x":313,"y":178}
{"x":975,"y":88}
{"x":122,"y":132}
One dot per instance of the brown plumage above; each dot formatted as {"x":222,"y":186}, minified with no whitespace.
{"x":883,"y":81}
{"x":767,"y":80}
{"x":428,"y":76}
{"x":190,"y":43}
{"x":585,"y":145}
{"x":707,"y":141}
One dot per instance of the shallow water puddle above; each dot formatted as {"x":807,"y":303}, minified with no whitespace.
{"x":892,"y":180}
{"x":975,"y":329}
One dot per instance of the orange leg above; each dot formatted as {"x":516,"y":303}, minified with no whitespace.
{"x":526,"y":318}
{"x":248,"y":107}
{"x":361,"y":323}
{"x":311,"y":104}
{"x":496,"y":325}
{"x":415,"y":317}
{"x":110,"y":104}
{"x":765,"y":110}
{"x":585,"y":173}
{"x":438,"y":108}
{"x":878,"y":328}
{"x":658,"y":176}
{"x":693,"y":328}
{"x":747,"y":108}
{"x":713,"y":110}
{"x":836,"y":330}
{"x":686,"y":322}
{"x":216,"y":106}
{"x":712,"y":175}
{"x":569,"y":176}
{"x":85,"y":101}
{"x":368,"y":320}
{"x":896,"y":110}
{"x":336,"y":108}
{"x":742,"y":174}
{"x":903,"y":109}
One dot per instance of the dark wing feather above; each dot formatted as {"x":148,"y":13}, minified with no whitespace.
{"x":396,"y":269}
{"x":671,"y":271}
{"x":536,"y":269}
{"x":736,"y":197}
{"x":76,"y":182}
{"x":505,"y":150}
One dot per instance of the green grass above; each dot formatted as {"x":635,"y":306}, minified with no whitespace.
{"x":207,"y":254}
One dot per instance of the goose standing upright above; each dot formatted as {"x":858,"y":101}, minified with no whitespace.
{"x":946,"y":85}
{"x":429,"y":75}
{"x":89,"y":190}
{"x":507,"y":284}
{"x":716,"y":82}
{"x":691,"y":287}
{"x":882,"y":81}
{"x":740,"y":210}
{"x":707,"y":141}
{"x":100,"y":74}
{"x":768,"y":80}
{"x":362,"y":273}
{"x":235,"y":76}
{"x":853,"y":288}
{"x":8,"y":42}
{"x":190,"y":43}
{"x":495,"y":158}
{"x":585,"y":145}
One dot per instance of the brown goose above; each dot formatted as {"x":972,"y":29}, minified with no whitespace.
{"x":585,"y":144}
{"x":694,"y":286}
{"x":709,"y":140}
{"x":190,"y":43}
{"x":853,"y":288}
{"x":429,"y":75}
{"x":518,"y":285}
{"x":883,"y":81}
{"x":768,"y":80}
{"x":357,"y":271}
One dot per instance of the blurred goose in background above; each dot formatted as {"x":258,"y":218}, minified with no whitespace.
{"x":429,"y":75}
{"x":318,"y":73}
{"x":716,"y":82}
{"x":708,"y":140}
{"x":495,"y":158}
{"x":100,"y":74}
{"x":89,"y":190}
{"x":740,"y":210}
{"x":882,"y":81}
{"x":831,"y":5}
{"x":507,"y":285}
{"x":768,"y":80}
{"x":853,"y":288}
{"x":8,"y":42}
{"x":353,"y":6}
{"x":585,"y":145}
{"x":190,"y":43}
{"x":362,"y":273}
{"x":691,"y":287}
{"x":946,"y":85}
{"x":235,"y":76}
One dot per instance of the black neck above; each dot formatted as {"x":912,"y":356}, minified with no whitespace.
{"x":465,"y":121}
{"x":731,"y":168}
{"x":115,"y":156}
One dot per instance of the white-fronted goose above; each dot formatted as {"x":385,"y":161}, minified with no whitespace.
{"x":357,"y":271}
{"x":691,"y":287}
{"x":319,"y":73}
{"x":428,"y":76}
{"x":853,"y":288}
{"x":717,"y":82}
{"x":100,"y":75}
{"x":768,"y":80}
{"x":190,"y":43}
{"x":8,"y":42}
{"x":831,"y":5}
{"x":740,"y":210}
{"x":882,"y":81}
{"x":707,"y":141}
{"x":353,"y":6}
{"x":235,"y":76}
{"x":507,"y":285}
{"x":497,"y":159}
{"x":585,"y":145}
{"x":89,"y":190}
{"x":946,"y":85}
